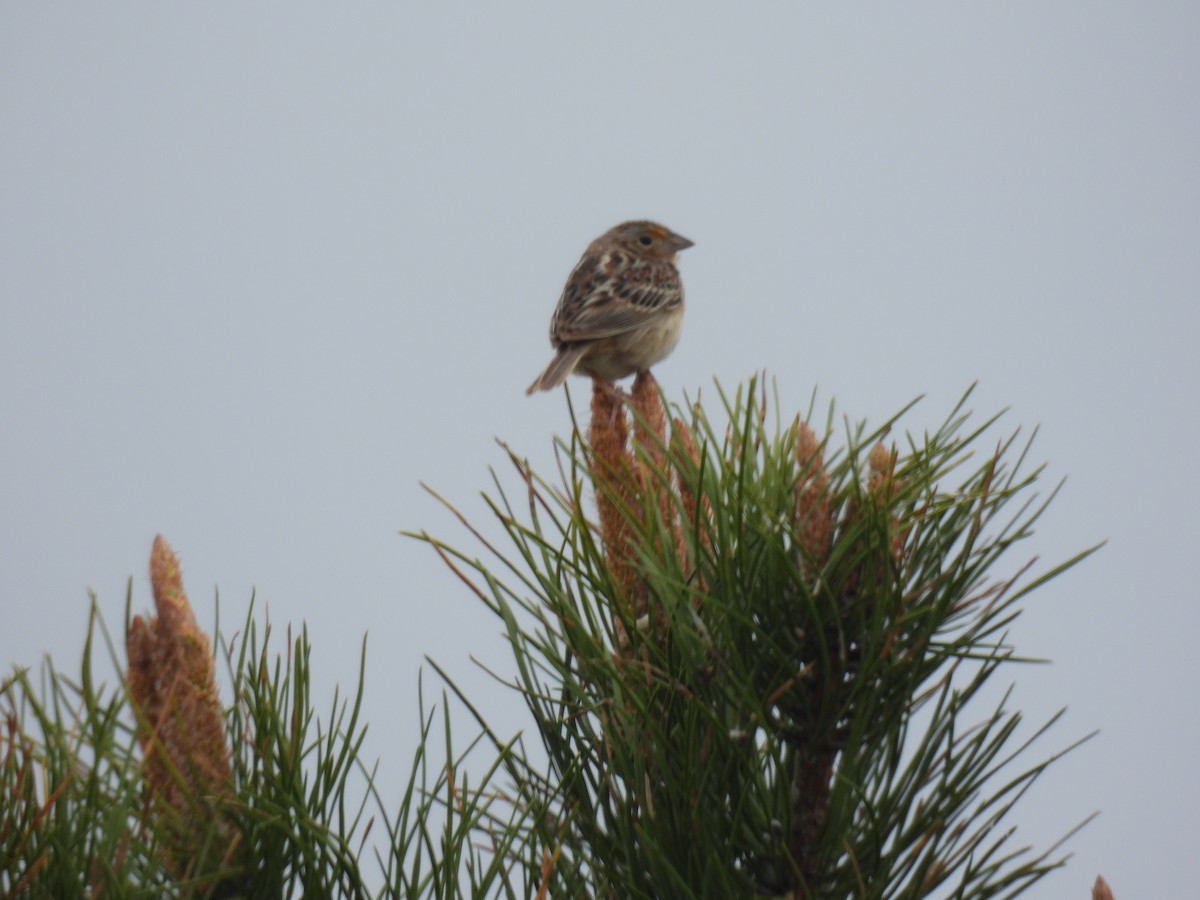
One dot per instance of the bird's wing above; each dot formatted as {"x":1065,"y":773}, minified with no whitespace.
{"x":597,"y":305}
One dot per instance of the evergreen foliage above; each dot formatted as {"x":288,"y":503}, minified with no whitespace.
{"x":754,"y":676}
{"x":761,"y":660}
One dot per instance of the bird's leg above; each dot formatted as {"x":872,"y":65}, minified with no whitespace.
{"x":614,"y":391}
{"x":612,"y":395}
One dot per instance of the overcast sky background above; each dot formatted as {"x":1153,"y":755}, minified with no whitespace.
{"x":263,"y":268}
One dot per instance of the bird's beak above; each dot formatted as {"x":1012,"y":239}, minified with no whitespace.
{"x":679,"y":242}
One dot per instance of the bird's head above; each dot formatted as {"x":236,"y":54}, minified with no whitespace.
{"x":648,"y":239}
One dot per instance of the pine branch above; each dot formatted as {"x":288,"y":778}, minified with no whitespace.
{"x":753,"y":672}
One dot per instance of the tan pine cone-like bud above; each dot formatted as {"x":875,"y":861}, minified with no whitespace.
{"x":814,"y":516}
{"x":172,"y":682}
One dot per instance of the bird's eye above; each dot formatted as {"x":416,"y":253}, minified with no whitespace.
{"x":645,"y":240}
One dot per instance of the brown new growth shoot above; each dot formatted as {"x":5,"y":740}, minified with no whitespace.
{"x":181,"y":729}
{"x":814,"y":514}
{"x":632,"y":478}
{"x":649,"y":433}
{"x":882,"y":486}
{"x":617,"y":489}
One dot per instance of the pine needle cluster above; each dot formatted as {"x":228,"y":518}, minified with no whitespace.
{"x":752,"y":669}
{"x":760,"y":660}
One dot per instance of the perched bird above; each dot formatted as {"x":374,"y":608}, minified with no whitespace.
{"x":622,"y":307}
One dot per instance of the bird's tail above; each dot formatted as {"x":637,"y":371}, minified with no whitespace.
{"x":560,"y":367}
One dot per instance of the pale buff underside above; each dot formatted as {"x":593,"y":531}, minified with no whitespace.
{"x":614,"y":357}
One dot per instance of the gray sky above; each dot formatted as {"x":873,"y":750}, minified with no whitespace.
{"x":264,"y":268}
